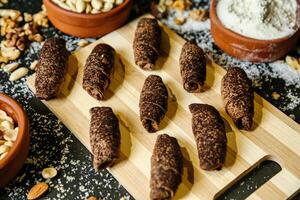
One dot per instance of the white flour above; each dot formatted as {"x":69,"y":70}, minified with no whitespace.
{"x":259,"y":19}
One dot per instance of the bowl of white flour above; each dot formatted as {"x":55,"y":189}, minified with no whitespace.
{"x":255,"y":30}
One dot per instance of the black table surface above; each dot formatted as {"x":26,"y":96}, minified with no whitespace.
{"x":52,"y":144}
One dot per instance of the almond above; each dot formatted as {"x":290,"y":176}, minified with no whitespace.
{"x":92,"y":198}
{"x":37,"y":191}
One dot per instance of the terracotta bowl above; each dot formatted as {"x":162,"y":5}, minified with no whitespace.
{"x":14,"y":160}
{"x":88,"y":25}
{"x":248,"y":49}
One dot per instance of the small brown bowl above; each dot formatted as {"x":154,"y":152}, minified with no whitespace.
{"x":11,"y":164}
{"x":248,"y":49}
{"x":87,"y":25}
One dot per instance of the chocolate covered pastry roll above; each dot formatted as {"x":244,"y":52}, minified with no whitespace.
{"x":210,"y":135}
{"x":105,"y":137}
{"x":166,"y":168}
{"x":146,"y":43}
{"x":51,"y":68}
{"x":238,"y":96}
{"x":153,"y":103}
{"x":98,"y":70}
{"x":192,"y":67}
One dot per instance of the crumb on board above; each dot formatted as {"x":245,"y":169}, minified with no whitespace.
{"x":275,"y":95}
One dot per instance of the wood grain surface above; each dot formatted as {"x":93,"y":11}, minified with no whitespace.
{"x":275,"y":136}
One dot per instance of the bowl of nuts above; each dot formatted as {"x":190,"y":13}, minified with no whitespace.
{"x":14,"y":138}
{"x":88,"y":18}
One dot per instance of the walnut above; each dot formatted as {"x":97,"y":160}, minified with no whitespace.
{"x":16,"y":35}
{"x":11,"y":40}
{"x":179,"y":20}
{"x":11,"y":53}
{"x":275,"y":96}
{"x":28,"y":17}
{"x":10,"y":13}
{"x":21,"y":43}
{"x":36,"y":37}
{"x":199,"y":15}
{"x":182,"y":5}
{"x":41,"y":19}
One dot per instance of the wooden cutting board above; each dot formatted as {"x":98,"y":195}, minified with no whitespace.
{"x":275,"y":137}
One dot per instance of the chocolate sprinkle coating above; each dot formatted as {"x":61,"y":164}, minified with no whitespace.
{"x":210,"y":135}
{"x":98,"y":70}
{"x":51,"y":68}
{"x":146,"y":43}
{"x":238,"y":97}
{"x":166,"y":168}
{"x":192,"y":67}
{"x":153,"y":103}
{"x":105,"y":137}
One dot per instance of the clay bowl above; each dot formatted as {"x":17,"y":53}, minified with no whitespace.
{"x":88,"y":25}
{"x":14,"y":160}
{"x":248,"y":49}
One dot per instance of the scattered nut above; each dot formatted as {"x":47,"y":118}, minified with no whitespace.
{"x":199,"y":15}
{"x":49,"y":173}
{"x":16,"y":33}
{"x":13,"y":14}
{"x":27,"y":17}
{"x":92,"y":198}
{"x":19,"y":73}
{"x":37,"y":191}
{"x":82,"y":43}
{"x":179,"y":20}
{"x":275,"y":95}
{"x":36,"y":37}
{"x":11,"y":53}
{"x":10,"y":67}
{"x":33,"y":65}
{"x":181,"y":5}
{"x":293,"y":62}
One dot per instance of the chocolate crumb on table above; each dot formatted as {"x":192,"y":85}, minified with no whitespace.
{"x":146,"y":43}
{"x":105,"y":137}
{"x":51,"y":68}
{"x":166,"y":168}
{"x":98,"y":70}
{"x":238,"y":97}
{"x":210,"y":135}
{"x":192,"y":67}
{"x":153,"y":103}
